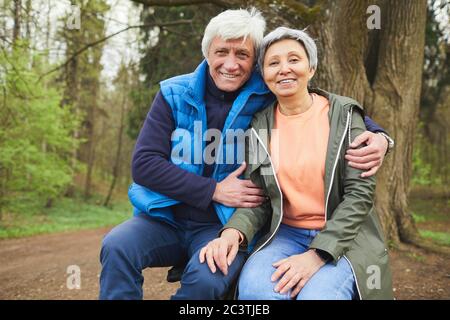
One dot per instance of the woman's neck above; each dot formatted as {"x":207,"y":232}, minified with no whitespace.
{"x":296,"y":104}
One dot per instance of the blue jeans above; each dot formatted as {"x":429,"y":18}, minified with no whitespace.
{"x":330,"y":282}
{"x":142,"y":242}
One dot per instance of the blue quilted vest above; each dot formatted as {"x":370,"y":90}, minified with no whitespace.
{"x":185,"y":95}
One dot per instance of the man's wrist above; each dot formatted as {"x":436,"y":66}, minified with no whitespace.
{"x":216,"y":192}
{"x":389,"y":140}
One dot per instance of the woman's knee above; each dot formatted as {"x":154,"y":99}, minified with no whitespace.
{"x":255,"y":283}
{"x":331,"y":282}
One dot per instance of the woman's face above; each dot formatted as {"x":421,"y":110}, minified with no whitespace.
{"x":286,"y":68}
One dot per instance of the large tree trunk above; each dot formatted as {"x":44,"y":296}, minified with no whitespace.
{"x":342,"y":44}
{"x":395,"y":103}
{"x":383,"y":70}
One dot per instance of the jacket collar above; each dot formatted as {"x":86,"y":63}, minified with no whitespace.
{"x":195,"y":92}
{"x":340,"y":109}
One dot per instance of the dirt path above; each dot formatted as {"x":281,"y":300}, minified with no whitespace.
{"x":35,"y":268}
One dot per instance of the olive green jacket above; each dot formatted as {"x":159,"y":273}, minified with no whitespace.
{"x":352,"y":230}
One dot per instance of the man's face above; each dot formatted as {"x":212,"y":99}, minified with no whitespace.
{"x":230,"y":62}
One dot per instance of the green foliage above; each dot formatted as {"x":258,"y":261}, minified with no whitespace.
{"x":173,"y":51}
{"x":177,"y":49}
{"x":430,"y":158}
{"x":67,"y":214}
{"x":142,"y":99}
{"x":423,"y":155}
{"x":35,"y":133}
{"x":416,"y":256}
{"x":430,"y":209}
{"x":419,"y":218}
{"x":432,"y":218}
{"x":439,"y":237}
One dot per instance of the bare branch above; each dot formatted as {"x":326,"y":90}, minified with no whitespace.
{"x":92,"y":44}
{"x":174,"y":3}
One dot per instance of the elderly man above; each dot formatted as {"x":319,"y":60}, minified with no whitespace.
{"x":182,"y":201}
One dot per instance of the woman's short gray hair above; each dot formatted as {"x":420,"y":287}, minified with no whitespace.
{"x":235,"y":24}
{"x":282,"y":33}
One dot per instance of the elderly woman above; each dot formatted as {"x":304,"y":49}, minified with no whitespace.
{"x":317,"y":236}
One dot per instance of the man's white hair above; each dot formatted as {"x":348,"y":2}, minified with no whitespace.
{"x":235,"y":24}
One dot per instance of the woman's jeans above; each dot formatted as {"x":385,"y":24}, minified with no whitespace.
{"x":330,"y":282}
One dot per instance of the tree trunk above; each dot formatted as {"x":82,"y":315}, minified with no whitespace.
{"x":91,"y":142}
{"x":119,"y":150}
{"x":342,"y":44}
{"x":437,"y":135}
{"x":382,"y":69}
{"x":71,"y":98}
{"x":395,"y":103}
{"x":28,"y":19}
{"x":17,"y":20}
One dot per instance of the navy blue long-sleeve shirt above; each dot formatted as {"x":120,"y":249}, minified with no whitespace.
{"x":151,"y":167}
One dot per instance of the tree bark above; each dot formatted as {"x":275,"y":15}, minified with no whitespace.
{"x":395,"y":103}
{"x":91,"y":142}
{"x":71,"y":98}
{"x":173,"y":3}
{"x":17,"y":20}
{"x":342,"y":44}
{"x":382,"y":69}
{"x":116,"y":166}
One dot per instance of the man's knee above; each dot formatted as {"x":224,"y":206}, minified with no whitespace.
{"x":116,"y":247}
{"x":111,"y":247}
{"x":201,"y":276}
{"x":198,"y":281}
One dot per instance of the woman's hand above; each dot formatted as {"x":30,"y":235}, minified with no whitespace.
{"x":296,"y":271}
{"x":221,"y":251}
{"x":369,"y":157}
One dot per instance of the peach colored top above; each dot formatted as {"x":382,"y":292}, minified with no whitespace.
{"x":298,"y":149}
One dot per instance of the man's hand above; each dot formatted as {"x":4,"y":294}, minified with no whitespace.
{"x":371,"y":156}
{"x":238,"y":193}
{"x":296,"y":270}
{"x":221,"y":251}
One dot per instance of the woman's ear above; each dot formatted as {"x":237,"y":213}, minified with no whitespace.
{"x":312,"y":72}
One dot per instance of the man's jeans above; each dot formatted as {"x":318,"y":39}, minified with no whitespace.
{"x":330,"y":282}
{"x":142,"y":242}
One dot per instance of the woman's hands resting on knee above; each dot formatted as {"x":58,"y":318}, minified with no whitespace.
{"x":296,"y":270}
{"x":222,"y":251}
